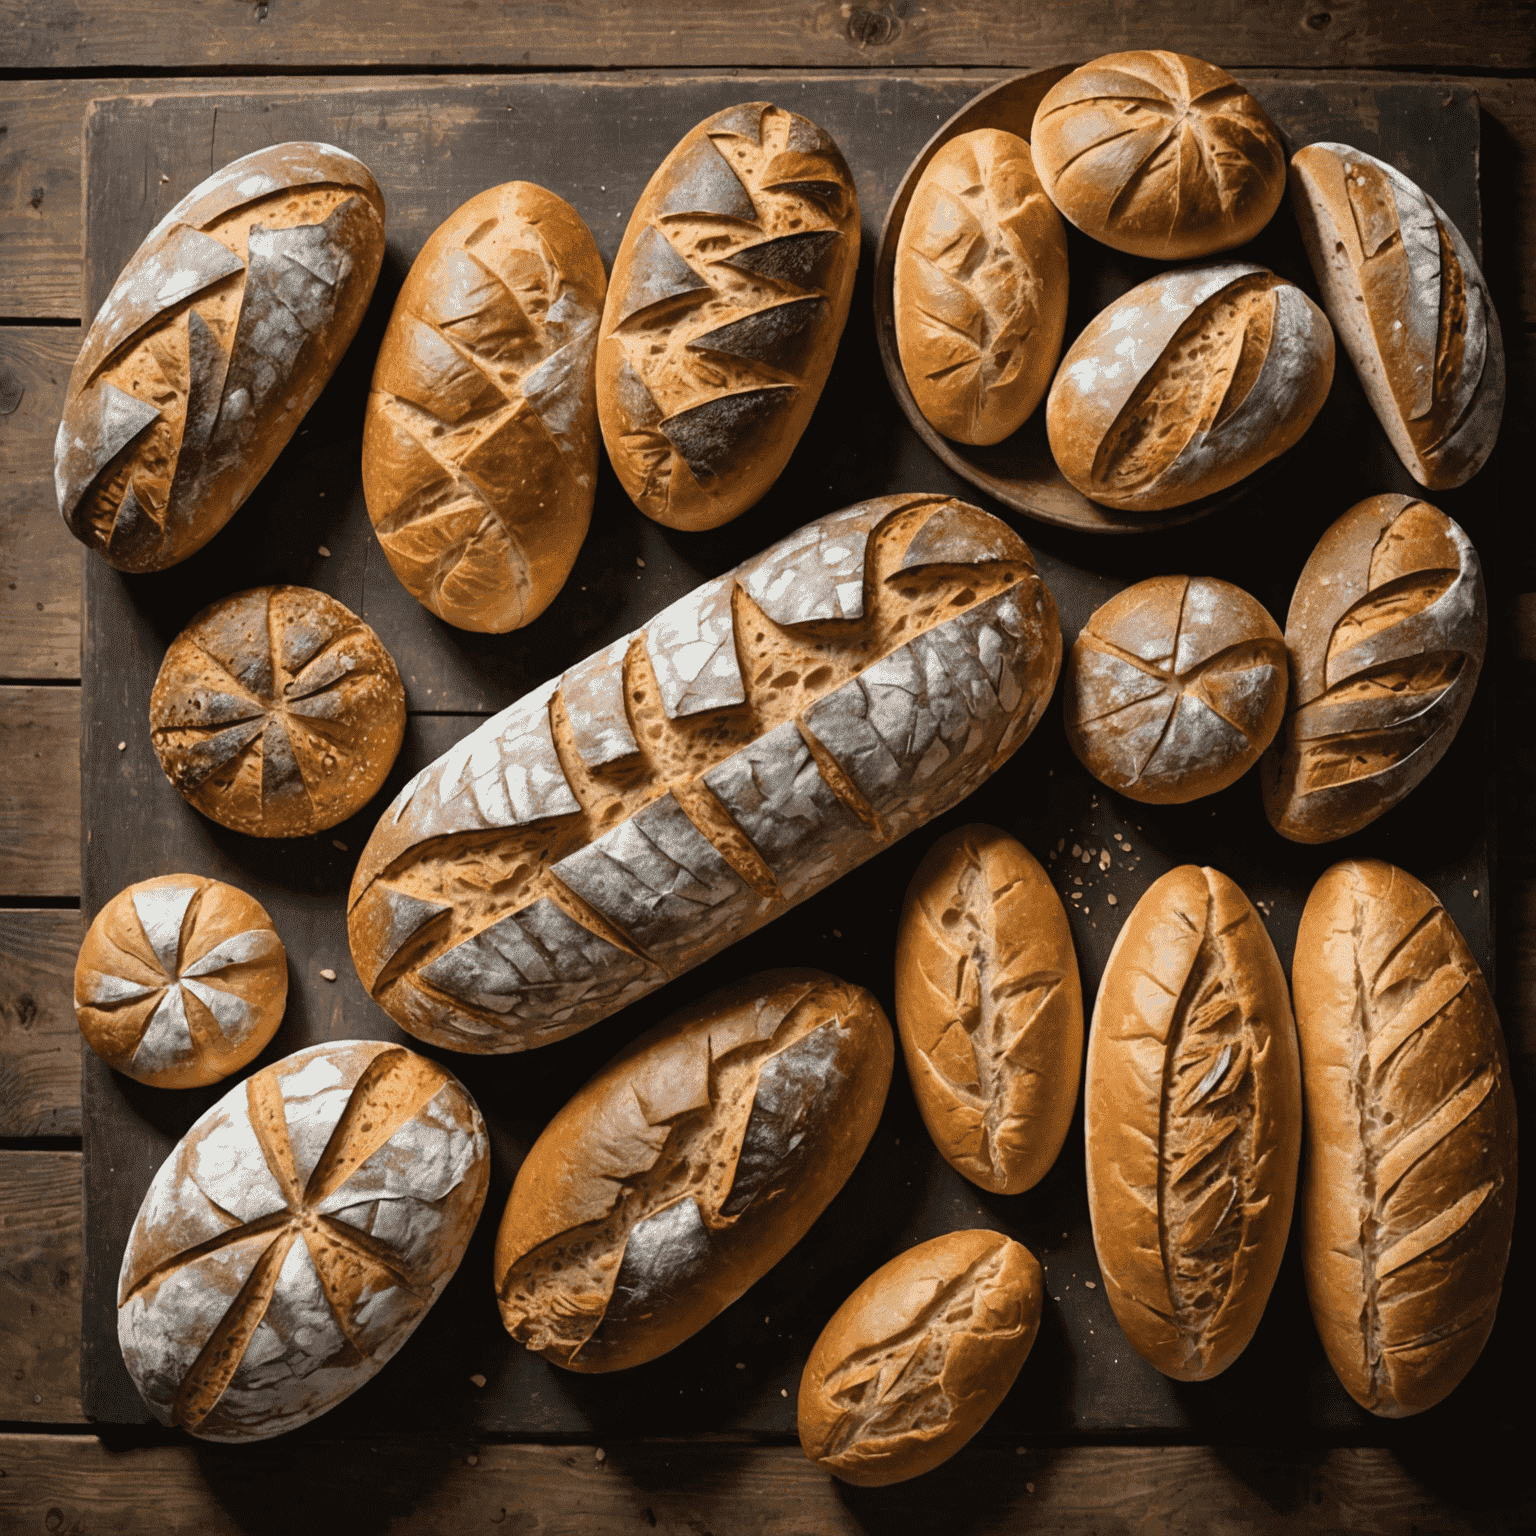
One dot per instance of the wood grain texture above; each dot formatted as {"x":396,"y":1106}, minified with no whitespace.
{"x":40,"y":805}
{"x":40,"y":1267}
{"x":39,"y":1039}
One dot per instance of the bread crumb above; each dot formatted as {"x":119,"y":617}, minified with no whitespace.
{"x":837,"y":933}
{"x":325,"y":552}
{"x":600,"y":1454}
{"x":741,"y":1365}
{"x":1092,"y":1285}
{"x":1113,"y":900}
{"x":640,"y":562}
{"x":1029,"y":1487}
{"x":783,"y":1392}
{"x":1077,"y":850}
{"x":472,"y":1461}
{"x":1061,"y":843}
{"x":122,"y":746}
{"x":336,"y":842}
{"x":478,"y":1379}
{"x":1103,"y":858}
{"x":329,"y":974}
{"x":1019,"y":1450}
{"x":1475,"y":892}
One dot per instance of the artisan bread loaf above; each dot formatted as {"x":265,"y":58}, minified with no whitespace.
{"x":1386,"y":632}
{"x":980,"y":294}
{"x":758,"y":738}
{"x":727,"y":300}
{"x":277,"y":712}
{"x":689,"y":1166}
{"x":1409,"y":1197}
{"x":1408,"y":299}
{"x":296,"y":1236}
{"x":480,"y":442}
{"x":1193,"y":1123}
{"x":917,"y":1359}
{"x":1174,"y":688}
{"x":1159,"y":154}
{"x":216,"y":339}
{"x":1188,"y":383}
{"x":181,"y":980}
{"x":990,"y":1008}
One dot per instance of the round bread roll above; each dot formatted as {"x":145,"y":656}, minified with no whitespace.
{"x":980,"y":288}
{"x":480,"y":442}
{"x":1159,"y":154}
{"x":277,"y":712}
{"x":1188,"y":383}
{"x":990,"y":1008}
{"x":919,"y":1357}
{"x":1174,"y":688}
{"x":181,"y":980}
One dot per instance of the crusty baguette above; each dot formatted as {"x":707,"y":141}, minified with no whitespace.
{"x":216,"y":339}
{"x":1408,"y":1201}
{"x":760,"y":737}
{"x":1193,"y":1122}
{"x":919,"y":1357}
{"x":689,"y":1166}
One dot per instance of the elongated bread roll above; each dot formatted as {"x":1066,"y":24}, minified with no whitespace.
{"x":1193,"y":1122}
{"x":763,"y":735}
{"x":1409,"y":1197}
{"x":689,"y":1166}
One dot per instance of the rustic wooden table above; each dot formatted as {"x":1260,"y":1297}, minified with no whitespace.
{"x":56,"y":1476}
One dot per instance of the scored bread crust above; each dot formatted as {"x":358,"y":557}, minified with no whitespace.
{"x":1386,"y":631}
{"x":980,"y":288}
{"x":1407,"y":296}
{"x":215,"y":340}
{"x":918,"y":1358}
{"x":763,"y":735}
{"x":1186,"y":384}
{"x":1192,"y":1119}
{"x":990,"y":1008}
{"x":689,"y":1166}
{"x":724,"y":309}
{"x":1408,"y":1201}
{"x":480,"y":440}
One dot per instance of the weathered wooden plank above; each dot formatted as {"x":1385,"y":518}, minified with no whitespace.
{"x":39,"y":1040}
{"x":39,"y":560}
{"x":40,"y":1268}
{"x":40,"y":806}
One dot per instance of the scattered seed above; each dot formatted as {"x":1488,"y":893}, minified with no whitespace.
{"x":1018,"y":1450}
{"x":640,"y":562}
{"x":1029,"y":1487}
{"x":336,"y":842}
{"x":1061,"y":843}
{"x":122,"y":746}
{"x":1474,"y":892}
{"x":837,"y":933}
{"x":1104,"y":858}
{"x":600,"y":1454}
{"x":741,"y":1365}
{"x":1092,"y":1285}
{"x":473,"y":1461}
{"x":329,"y":974}
{"x":1114,"y":900}
{"x":478,"y":1379}
{"x":324,"y":551}
{"x":783,"y":1392}
{"x":1077,"y":850}
{"x":1087,"y":855}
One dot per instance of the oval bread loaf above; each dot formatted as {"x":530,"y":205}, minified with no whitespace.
{"x":1386,"y":631}
{"x":727,"y":299}
{"x":213,"y":343}
{"x":766,"y":733}
{"x":1159,"y":154}
{"x":919,"y":1357}
{"x":990,"y":1008}
{"x":1407,"y":297}
{"x":296,"y":1236}
{"x":1188,"y":383}
{"x":1192,"y":1115}
{"x":1409,"y":1197}
{"x":980,"y":295}
{"x":689,"y":1166}
{"x":480,"y":442}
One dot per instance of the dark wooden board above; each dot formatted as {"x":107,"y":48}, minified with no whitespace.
{"x":596,"y":141}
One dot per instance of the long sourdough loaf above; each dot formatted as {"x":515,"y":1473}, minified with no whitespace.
{"x":296,"y":1236}
{"x":1192,"y":1116}
{"x":689,"y":1166}
{"x":216,"y":339}
{"x":1407,"y":297}
{"x":726,"y":302}
{"x":1408,"y":1201}
{"x":757,"y":739}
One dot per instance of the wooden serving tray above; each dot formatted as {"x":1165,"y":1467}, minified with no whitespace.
{"x":596,"y":140}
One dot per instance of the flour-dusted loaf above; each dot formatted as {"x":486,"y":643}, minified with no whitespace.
{"x":1386,"y":631}
{"x":1409,"y":1197}
{"x":1159,"y":154}
{"x":1186,"y":384}
{"x":917,"y":1359}
{"x":689,"y":1166}
{"x":181,"y":980}
{"x":1192,"y":1116}
{"x":1174,"y":688}
{"x":480,"y":442}
{"x":216,"y":339}
{"x":726,"y":303}
{"x":296,"y":1236}
{"x":990,"y":1008}
{"x":277,"y":712}
{"x":755,"y":740}
{"x":1407,"y":297}
{"x":980,"y":295}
